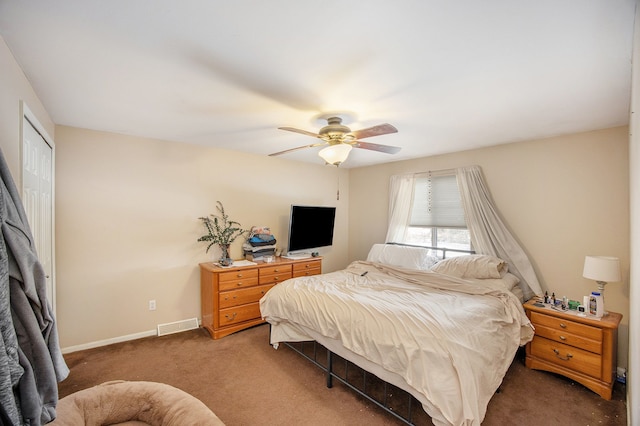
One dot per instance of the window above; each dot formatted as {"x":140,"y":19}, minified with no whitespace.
{"x":437,"y":217}
{"x":436,"y":223}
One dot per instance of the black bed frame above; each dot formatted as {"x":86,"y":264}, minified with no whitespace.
{"x":395,"y":401}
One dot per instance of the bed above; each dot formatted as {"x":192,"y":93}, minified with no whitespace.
{"x":444,"y":330}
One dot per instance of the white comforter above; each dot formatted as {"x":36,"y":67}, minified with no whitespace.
{"x":452,"y":340}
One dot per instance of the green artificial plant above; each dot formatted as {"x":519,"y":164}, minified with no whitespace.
{"x":221,"y":230}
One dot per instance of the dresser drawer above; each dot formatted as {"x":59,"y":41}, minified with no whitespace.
{"x":571,"y":339}
{"x":275,"y":269}
{"x":312,"y":267}
{"x":567,"y":326}
{"x":238,"y":314}
{"x":274,"y":278}
{"x":237,"y":275}
{"x":567,"y":356}
{"x":274,"y":274}
{"x":242,"y":296}
{"x":238,"y":279}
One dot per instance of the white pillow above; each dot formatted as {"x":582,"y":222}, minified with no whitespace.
{"x":402,"y":256}
{"x":473,"y":266}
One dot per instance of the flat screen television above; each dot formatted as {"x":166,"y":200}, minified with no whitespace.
{"x":310,"y":227}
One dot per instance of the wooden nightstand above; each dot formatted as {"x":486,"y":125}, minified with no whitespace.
{"x":581,"y":348}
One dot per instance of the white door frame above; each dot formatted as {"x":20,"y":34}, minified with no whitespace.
{"x":27,"y":115}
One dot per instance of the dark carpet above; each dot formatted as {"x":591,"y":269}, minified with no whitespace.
{"x":246,"y":382}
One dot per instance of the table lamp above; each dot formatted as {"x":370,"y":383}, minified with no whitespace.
{"x":603,"y":270}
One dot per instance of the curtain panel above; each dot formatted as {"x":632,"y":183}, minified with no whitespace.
{"x":400,"y":196}
{"x":489,"y":235}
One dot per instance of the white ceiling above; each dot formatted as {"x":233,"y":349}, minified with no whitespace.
{"x":450,"y":75}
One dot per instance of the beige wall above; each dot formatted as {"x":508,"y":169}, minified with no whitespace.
{"x":563,"y":198}
{"x":127,"y":224}
{"x":14,"y":87}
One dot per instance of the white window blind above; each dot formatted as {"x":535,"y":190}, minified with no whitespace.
{"x":437,"y":203}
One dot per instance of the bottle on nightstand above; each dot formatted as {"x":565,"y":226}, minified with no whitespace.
{"x":596,"y":304}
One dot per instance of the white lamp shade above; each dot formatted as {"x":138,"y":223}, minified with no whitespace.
{"x":602,"y":268}
{"x":335,"y":154}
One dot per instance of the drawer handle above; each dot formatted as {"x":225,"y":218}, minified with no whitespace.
{"x":239,"y":283}
{"x":306,"y":266}
{"x":231,"y":317}
{"x":563,"y":338}
{"x":238,"y":275}
{"x":276,"y":270}
{"x":567,"y":358}
{"x":563,"y":325}
{"x":262,"y":291}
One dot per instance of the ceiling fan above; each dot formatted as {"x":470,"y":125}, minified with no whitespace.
{"x":340,"y":140}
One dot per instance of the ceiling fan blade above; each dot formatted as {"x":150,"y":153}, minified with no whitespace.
{"x":304,"y":132}
{"x":380,"y":129}
{"x":295,"y":149}
{"x":388,"y":149}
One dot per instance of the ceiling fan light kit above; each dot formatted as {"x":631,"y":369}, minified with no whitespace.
{"x":335,"y":154}
{"x":340,"y":140}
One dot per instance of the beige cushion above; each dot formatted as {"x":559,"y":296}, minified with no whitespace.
{"x":133,"y":403}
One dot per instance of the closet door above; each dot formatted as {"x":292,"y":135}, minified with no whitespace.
{"x":37,"y":196}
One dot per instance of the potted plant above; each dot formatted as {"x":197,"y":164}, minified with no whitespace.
{"x":221,"y":231}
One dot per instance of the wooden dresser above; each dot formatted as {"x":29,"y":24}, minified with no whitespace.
{"x":581,"y":348}
{"x":229,"y":296}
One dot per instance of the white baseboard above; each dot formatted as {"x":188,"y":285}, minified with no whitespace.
{"x":106,"y":342}
{"x":118,"y":339}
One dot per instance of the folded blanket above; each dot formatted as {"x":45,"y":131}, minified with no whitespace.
{"x":258,"y":242}
{"x":263,"y":252}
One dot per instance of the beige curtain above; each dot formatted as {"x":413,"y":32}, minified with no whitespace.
{"x":489,"y":235}
{"x":400,"y":196}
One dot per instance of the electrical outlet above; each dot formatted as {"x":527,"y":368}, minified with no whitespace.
{"x":152,"y":305}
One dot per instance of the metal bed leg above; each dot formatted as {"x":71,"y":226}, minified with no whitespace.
{"x":329,"y":369}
